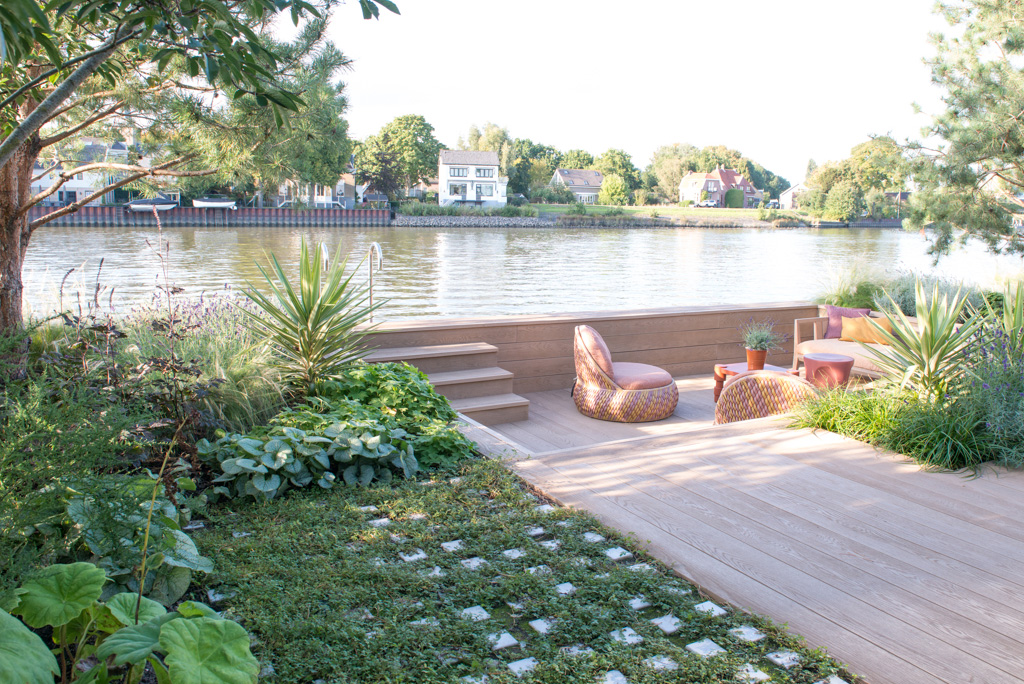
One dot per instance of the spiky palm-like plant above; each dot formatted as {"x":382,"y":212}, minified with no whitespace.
{"x":314,"y":329}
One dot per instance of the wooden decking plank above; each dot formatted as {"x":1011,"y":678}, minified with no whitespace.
{"x":729,"y":584}
{"x":849,"y":566}
{"x":650,"y":519}
{"x":948,"y":493}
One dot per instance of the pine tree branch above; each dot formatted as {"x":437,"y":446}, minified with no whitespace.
{"x":53,"y":139}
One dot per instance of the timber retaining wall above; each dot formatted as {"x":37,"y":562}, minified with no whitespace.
{"x":118,"y":217}
{"x":538,"y":349}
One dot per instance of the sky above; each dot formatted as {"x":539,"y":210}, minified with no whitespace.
{"x":782,"y":82}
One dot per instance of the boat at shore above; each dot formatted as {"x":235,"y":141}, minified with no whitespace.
{"x":215,"y":202}
{"x":156,"y":203}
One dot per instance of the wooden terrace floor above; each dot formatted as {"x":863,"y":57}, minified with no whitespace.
{"x":907,"y":576}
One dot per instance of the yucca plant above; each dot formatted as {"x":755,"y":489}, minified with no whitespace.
{"x":313,"y":329}
{"x":927,"y":356}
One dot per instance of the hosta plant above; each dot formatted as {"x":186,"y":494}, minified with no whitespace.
{"x":113,"y":641}
{"x":929,"y":355}
{"x":314,"y":327}
{"x":265,"y":466}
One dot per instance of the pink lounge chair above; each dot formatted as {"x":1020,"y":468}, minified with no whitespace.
{"x":622,"y":392}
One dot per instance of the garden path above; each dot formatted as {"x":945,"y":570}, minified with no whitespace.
{"x":905,"y":575}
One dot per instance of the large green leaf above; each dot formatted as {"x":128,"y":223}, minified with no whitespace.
{"x":208,"y":651}
{"x":170,"y":584}
{"x":135,"y":643}
{"x":24,"y":658}
{"x":185,"y":554}
{"x":123,"y":608}
{"x":59,"y":593}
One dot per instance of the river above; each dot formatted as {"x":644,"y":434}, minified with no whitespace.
{"x":463,"y":272}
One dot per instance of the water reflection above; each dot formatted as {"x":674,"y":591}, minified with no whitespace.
{"x":489,"y":271}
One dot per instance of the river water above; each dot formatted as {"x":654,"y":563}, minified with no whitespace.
{"x":463,"y":272}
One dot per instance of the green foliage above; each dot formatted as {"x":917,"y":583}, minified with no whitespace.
{"x":314,"y":328}
{"x":553,"y":194}
{"x":926,"y":355}
{"x":618,"y":163}
{"x":734,"y":198}
{"x":946,"y":436}
{"x":614,"y":190}
{"x":396,"y":388}
{"x":761,"y":335}
{"x":844,"y":201}
{"x":577,"y":159}
{"x":317,"y":577}
{"x":413,"y":140}
{"x":509,"y":210}
{"x":379,"y":164}
{"x":577,"y":209}
{"x":192,"y":644}
{"x":965,"y":187}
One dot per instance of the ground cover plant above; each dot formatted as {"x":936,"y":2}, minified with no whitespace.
{"x":421,"y":209}
{"x":407,"y":583}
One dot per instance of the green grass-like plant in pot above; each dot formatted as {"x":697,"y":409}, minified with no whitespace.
{"x":759,"y":338}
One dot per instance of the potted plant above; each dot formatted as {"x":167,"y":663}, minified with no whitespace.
{"x":759,"y":338}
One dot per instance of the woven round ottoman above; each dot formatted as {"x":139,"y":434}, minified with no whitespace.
{"x":827,"y":370}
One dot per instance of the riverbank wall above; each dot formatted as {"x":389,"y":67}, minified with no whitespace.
{"x":194,"y":217}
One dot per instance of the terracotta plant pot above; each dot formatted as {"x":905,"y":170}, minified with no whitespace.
{"x":756,"y":358}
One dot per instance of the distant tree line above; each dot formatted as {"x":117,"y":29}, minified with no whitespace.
{"x":847,"y":189}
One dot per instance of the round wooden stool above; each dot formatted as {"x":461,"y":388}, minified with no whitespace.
{"x":827,"y":370}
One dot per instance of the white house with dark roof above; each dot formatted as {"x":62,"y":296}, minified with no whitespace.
{"x":470,"y":177}
{"x":584,"y":183}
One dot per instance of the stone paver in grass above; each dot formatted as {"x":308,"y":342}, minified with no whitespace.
{"x":369,"y":509}
{"x":398,"y":538}
{"x":380,"y":522}
{"x":436,"y":572}
{"x":515,"y":605}
{"x":551,"y":544}
{"x":593,"y":537}
{"x":513,"y":553}
{"x":641,"y":567}
{"x":475,"y":613}
{"x":661,"y":663}
{"x":470,"y":679}
{"x":639,"y":602}
{"x":577,"y":650}
{"x":627,"y":635}
{"x":614,"y":677}
{"x":581,"y":561}
{"x":710,"y":608}
{"x":452,"y":546}
{"x":669,"y":624}
{"x":677,"y":591}
{"x":521,"y":667}
{"x":747,"y":633}
{"x":565,"y":589}
{"x":564,"y":523}
{"x":426,"y":622}
{"x":617,"y":553}
{"x":415,"y":517}
{"x":535,"y":531}
{"x":749,"y":673}
{"x":786,"y":659}
{"x":539,"y":570}
{"x":416,"y":555}
{"x":545,"y":508}
{"x":705,"y":648}
{"x":474,"y":563}
{"x":832,"y":680}
{"x":542,"y":626}
{"x":500,"y":640}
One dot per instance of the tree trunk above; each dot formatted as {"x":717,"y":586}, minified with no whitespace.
{"x":15,"y":191}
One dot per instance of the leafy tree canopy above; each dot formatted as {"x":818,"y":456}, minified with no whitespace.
{"x":576,"y":159}
{"x":379,"y":165}
{"x":967,"y":185}
{"x":412,"y":138}
{"x":671,"y":163}
{"x":614,"y":190}
{"x":618,"y":163}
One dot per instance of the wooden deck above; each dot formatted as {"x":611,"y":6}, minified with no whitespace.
{"x":906,"y":576}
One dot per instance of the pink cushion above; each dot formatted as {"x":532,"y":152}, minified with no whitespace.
{"x":637,"y":376}
{"x":597,"y":348}
{"x":835,"y":319}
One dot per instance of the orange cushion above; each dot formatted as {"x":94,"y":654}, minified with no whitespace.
{"x":862,"y":330}
{"x":597,"y":348}
{"x":637,"y":376}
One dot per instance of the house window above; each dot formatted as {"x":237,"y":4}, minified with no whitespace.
{"x":457,"y":189}
{"x":459,"y":172}
{"x":485,"y":173}
{"x":485,"y":189}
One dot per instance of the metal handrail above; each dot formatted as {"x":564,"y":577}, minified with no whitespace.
{"x":371,"y":269}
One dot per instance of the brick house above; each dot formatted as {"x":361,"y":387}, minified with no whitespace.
{"x":716,"y":184}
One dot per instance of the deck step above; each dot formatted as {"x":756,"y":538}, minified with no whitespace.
{"x":441,"y":357}
{"x":475,"y":382}
{"x":495,"y":409}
